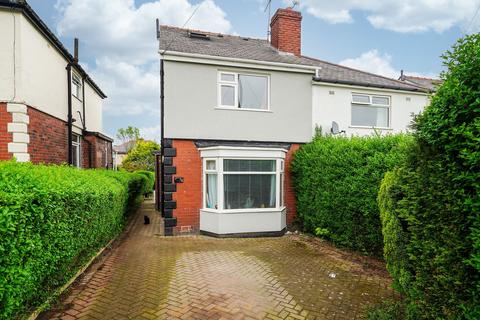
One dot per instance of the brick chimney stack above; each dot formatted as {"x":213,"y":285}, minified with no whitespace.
{"x":286,"y":31}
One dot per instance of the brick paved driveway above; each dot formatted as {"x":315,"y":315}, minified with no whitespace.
{"x":148,"y":276}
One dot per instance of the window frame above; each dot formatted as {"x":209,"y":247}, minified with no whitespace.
{"x":77,"y":143}
{"x":235,"y":85}
{"x":371,"y":105}
{"x":220,"y":173}
{"x":77,"y":86}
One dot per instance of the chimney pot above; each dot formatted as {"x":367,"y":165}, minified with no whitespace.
{"x":286,"y":31}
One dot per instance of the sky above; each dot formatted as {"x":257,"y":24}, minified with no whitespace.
{"x":118,"y":45}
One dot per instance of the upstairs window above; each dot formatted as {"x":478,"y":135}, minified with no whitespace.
{"x":76,"y":86}
{"x":370,"y":111}
{"x":243,"y":91}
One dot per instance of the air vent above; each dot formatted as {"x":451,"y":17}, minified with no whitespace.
{"x":199,"y":35}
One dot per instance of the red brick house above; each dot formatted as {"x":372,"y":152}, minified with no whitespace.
{"x":50,"y":109}
{"x":234,"y":111}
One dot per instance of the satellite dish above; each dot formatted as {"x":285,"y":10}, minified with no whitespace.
{"x":335,"y":128}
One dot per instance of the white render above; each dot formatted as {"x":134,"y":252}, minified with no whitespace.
{"x":234,"y":223}
{"x":192,"y":111}
{"x":333,"y":102}
{"x":33,"y":73}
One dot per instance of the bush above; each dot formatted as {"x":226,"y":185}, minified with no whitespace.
{"x":53,"y":219}
{"x":141,"y":157}
{"x":336,"y":181}
{"x":387,"y":310}
{"x":151,"y":180}
{"x":434,"y":197}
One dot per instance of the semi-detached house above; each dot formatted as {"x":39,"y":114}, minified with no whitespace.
{"x":235,"y":111}
{"x":50,"y":109}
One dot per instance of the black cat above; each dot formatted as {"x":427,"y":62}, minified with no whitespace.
{"x":146,"y":220}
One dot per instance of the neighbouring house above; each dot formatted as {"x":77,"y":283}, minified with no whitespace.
{"x":429,"y":84}
{"x":235,"y":110}
{"x":120,"y":152}
{"x":50,"y":109}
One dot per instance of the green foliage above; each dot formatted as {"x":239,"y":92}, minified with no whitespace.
{"x":435,"y":198}
{"x":53,"y":219}
{"x":388,"y":310}
{"x":128,"y":136}
{"x":336,"y":181}
{"x":150,"y":180}
{"x":141,"y":156}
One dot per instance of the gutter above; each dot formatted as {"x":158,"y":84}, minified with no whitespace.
{"x":227,"y":61}
{"x":368,"y":85}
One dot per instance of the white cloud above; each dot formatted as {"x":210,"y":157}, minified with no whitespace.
{"x":150,"y":133}
{"x":374,"y":62}
{"x":400,"y":15}
{"x":121,"y":36}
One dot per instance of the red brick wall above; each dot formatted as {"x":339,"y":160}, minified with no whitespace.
{"x":5,"y":137}
{"x":290,"y":202}
{"x":48,"y":138}
{"x":93,"y":152}
{"x":286,"y":30}
{"x":189,"y":193}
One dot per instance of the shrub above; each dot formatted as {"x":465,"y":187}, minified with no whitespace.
{"x":435,"y":198}
{"x":336,"y":181}
{"x":151,"y":180}
{"x":141,"y":157}
{"x":53,"y":219}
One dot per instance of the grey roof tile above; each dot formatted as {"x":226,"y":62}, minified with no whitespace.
{"x":221,"y":45}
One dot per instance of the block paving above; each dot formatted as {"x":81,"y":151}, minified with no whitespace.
{"x":149,"y":276}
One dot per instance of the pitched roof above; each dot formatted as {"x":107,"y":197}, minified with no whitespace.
{"x":22,"y":6}
{"x":427,"y":83}
{"x":221,"y":45}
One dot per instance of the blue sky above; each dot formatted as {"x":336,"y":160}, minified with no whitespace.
{"x":118,"y":39}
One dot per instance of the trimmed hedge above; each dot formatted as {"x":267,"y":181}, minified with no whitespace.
{"x":151,"y":180}
{"x":336,"y":181}
{"x":53,"y":219}
{"x":431,"y":206}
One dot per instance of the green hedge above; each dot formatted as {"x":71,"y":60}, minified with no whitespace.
{"x":336,"y":182}
{"x":431,"y":205}
{"x":151,"y":180}
{"x":53,"y":219}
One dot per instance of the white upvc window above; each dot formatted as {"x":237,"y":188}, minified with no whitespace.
{"x":371,"y":111}
{"x":77,"y":86}
{"x":243,"y":91}
{"x":76,"y":151}
{"x":237,"y":184}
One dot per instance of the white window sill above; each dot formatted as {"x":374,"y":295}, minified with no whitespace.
{"x":234,"y":211}
{"x":371,"y":128}
{"x":243,"y":109}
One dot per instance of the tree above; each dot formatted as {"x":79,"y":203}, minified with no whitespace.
{"x":431,"y":207}
{"x":128,"y":136}
{"x":141,"y":156}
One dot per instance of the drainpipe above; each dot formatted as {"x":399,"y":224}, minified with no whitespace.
{"x":69,"y":115}
{"x":162,"y":133}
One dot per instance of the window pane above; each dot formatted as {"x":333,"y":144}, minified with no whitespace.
{"x":227,"y":77}
{"x":211,"y":165}
{"x":247,"y":191}
{"x":252,"y":92}
{"x":75,"y":155}
{"x":249,"y":165}
{"x":384,"y":101}
{"x":359,"y":98}
{"x":211,"y":194}
{"x":228,"y":96}
{"x":369,"y":116}
{"x":282,"y":181}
